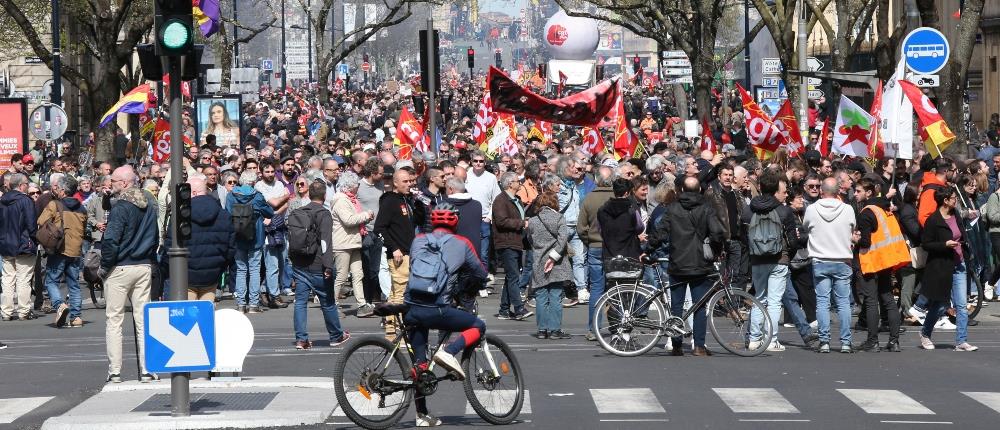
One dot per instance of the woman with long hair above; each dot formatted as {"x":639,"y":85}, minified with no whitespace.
{"x":226,"y":131}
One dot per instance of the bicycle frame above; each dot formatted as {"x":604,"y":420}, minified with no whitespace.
{"x":719,"y":284}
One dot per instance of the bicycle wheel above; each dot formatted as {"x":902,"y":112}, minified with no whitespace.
{"x":623,"y":325}
{"x":729,"y":321}
{"x":367,"y":379}
{"x":979,"y":289}
{"x":493,"y":381}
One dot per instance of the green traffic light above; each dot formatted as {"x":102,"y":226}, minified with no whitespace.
{"x":175,"y":35}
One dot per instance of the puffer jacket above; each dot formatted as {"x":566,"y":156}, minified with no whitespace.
{"x":213,"y":242}
{"x":74,"y":220}
{"x":347,"y":222}
{"x":131,"y":237}
{"x":17,"y":224}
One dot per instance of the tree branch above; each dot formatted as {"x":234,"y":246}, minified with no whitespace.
{"x":31,"y":35}
{"x":728,"y":56}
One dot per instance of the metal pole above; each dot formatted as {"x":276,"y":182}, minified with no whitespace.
{"x":309,"y":34}
{"x":56,"y":57}
{"x":746,"y":45}
{"x":180,"y":395}
{"x":803,"y":66}
{"x":236,"y":33}
{"x":431,"y":78}
{"x":284,"y":73}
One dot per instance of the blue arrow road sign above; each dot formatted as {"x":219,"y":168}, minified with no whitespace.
{"x":267,"y":64}
{"x":925,"y":51}
{"x":342,"y":69}
{"x":180,"y":336}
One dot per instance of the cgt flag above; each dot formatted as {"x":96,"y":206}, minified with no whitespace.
{"x":485,"y":118}
{"x":593,"y":142}
{"x":707,"y":141}
{"x":788,"y":129}
{"x":409,"y":134}
{"x":583,"y":109}
{"x":933,"y":130}
{"x":761,"y":132}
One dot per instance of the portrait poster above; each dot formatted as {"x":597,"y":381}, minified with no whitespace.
{"x":219,"y":115}
{"x":13,"y":130}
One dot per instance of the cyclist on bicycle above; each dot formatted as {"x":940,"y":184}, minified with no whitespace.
{"x":433,"y":310}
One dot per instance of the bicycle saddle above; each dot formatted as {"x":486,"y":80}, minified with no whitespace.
{"x":388,"y":309}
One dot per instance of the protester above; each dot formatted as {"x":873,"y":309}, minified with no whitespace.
{"x":349,"y":228}
{"x":17,"y":248}
{"x":66,"y":260}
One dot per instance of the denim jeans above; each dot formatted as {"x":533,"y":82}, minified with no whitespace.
{"x":248,"y":266}
{"x":737,"y":262}
{"x":595,"y":268}
{"x":57,"y":266}
{"x":579,"y":259}
{"x":485,"y":232}
{"x":677,"y":294}
{"x":769,"y":282}
{"x":510,"y":297}
{"x":305,"y":281}
{"x":959,"y":297}
{"x":790,"y":300}
{"x":371,"y":259}
{"x":272,"y":269}
{"x":420,"y":319}
{"x":548,"y":307}
{"x":527,"y":270}
{"x":835,"y":277}
{"x":286,"y":268}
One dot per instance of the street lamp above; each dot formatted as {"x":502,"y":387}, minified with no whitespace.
{"x":284,"y":73}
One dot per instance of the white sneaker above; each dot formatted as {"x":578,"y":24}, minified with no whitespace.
{"x":925,"y":342}
{"x":814,"y":325}
{"x":755,"y":345}
{"x":427,"y":421}
{"x":776,"y":346}
{"x":583,"y":296}
{"x":917,"y":313}
{"x":964,"y":346}
{"x":944,"y":324}
{"x":449,"y":362}
{"x":988,"y":292}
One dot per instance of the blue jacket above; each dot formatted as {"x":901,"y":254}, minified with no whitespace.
{"x":17,"y":224}
{"x":213,"y":242}
{"x":131,"y":236}
{"x":458,"y":255}
{"x":243,"y":195}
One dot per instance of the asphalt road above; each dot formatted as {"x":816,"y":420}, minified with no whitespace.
{"x":46,"y":371}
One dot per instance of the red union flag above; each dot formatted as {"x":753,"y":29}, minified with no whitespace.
{"x":408,"y":133}
{"x":788,"y":129}
{"x":161,"y":141}
{"x":933,"y":130}
{"x":592,"y":141}
{"x":485,"y":118}
{"x":707,"y":141}
{"x":760,"y":129}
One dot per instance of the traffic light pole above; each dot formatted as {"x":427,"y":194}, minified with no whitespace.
{"x":180,"y":394}
{"x":431,"y":83}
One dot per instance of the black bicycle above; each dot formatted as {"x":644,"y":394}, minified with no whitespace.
{"x":375,"y":378}
{"x":631,"y":317}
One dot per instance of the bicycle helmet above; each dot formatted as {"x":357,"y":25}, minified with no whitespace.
{"x":445,"y":215}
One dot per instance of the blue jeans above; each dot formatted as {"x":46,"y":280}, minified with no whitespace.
{"x":835,"y":277}
{"x":527,"y":269}
{"x":595,"y":268}
{"x":306,"y":281}
{"x":272,"y":269}
{"x":698,"y":289}
{"x":421,"y":319}
{"x":485,"y":232}
{"x":790,"y":300}
{"x":548,"y":307}
{"x":286,"y":268}
{"x":56,"y":266}
{"x":959,"y":298}
{"x":769,"y":282}
{"x":579,"y":259}
{"x":248,"y":263}
{"x":510,"y":297}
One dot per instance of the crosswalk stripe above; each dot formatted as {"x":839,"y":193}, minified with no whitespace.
{"x":755,"y":400}
{"x":890,"y":402}
{"x":991,"y":400}
{"x":625,"y":401}
{"x":506,"y":395}
{"x":12,"y":409}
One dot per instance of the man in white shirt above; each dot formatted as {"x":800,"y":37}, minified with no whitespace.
{"x":275,"y":256}
{"x":484,"y":188}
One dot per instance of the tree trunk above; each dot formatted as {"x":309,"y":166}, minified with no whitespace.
{"x":224,"y":52}
{"x":701,"y":76}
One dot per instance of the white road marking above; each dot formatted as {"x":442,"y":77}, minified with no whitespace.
{"x":991,"y":400}
{"x":890,"y":402}
{"x":625,"y":401}
{"x":755,"y":400}
{"x":12,"y":409}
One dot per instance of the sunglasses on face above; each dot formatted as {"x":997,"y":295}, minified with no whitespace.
{"x":301,"y":184}
{"x":230,"y":182}
{"x":34,"y":193}
{"x":478,"y":161}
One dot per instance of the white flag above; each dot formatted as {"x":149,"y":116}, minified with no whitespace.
{"x":896,"y":124}
{"x":853,"y":129}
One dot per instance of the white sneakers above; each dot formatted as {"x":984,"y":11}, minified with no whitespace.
{"x":925,"y":342}
{"x":965,"y":347}
{"x":755,"y":345}
{"x":449,"y":362}
{"x":917,"y":313}
{"x":944,"y":324}
{"x":776,"y":346}
{"x":989,"y":292}
{"x":583,"y":296}
{"x":427,"y":420}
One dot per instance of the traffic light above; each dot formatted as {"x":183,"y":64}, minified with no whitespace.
{"x":364,"y":57}
{"x":174,"y":27}
{"x":635,"y":64}
{"x":424,"y":73}
{"x":472,"y":58}
{"x":182,"y":210}
{"x":498,"y":59}
{"x":541,"y":70}
{"x":599,"y":72}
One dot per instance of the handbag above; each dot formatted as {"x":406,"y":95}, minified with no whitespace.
{"x":918,"y":256}
{"x":51,"y":235}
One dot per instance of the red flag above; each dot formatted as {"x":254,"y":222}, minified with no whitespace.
{"x":788,"y":130}
{"x":562,"y":83}
{"x":582,"y":109}
{"x":933,"y":130}
{"x":707,"y":141}
{"x":161,"y":141}
{"x":876,"y":147}
{"x":485,"y":118}
{"x":593,"y":142}
{"x":546,"y":128}
{"x":625,"y":141}
{"x":760,"y":129}
{"x":408,"y":133}
{"x":824,"y":139}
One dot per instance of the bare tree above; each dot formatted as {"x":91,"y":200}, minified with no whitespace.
{"x":222,"y":44}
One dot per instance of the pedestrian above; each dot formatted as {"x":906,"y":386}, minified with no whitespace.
{"x":829,"y":224}
{"x":395,"y":223}
{"x":311,"y":254}
{"x":248,"y":209}
{"x":274,"y":254}
{"x":549,"y":236}
{"x":348,"y":231}
{"x":589,"y":231}
{"x":945,"y":272}
{"x":570,"y":200}
{"x":66,"y":260}
{"x":484,"y":188}
{"x":369,"y":192}
{"x":508,"y":238}
{"x":469,"y":225}
{"x":128,"y":251}
{"x":17,"y":248}
{"x":212,"y":246}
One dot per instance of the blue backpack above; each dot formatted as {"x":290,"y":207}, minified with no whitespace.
{"x":428,"y":270}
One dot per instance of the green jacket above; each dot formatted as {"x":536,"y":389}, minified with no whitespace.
{"x":991,"y":212}
{"x":586,"y":225}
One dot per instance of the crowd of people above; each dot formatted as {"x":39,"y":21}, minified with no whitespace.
{"x":317,"y":201}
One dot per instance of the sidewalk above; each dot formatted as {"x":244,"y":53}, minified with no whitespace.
{"x":251,"y":403}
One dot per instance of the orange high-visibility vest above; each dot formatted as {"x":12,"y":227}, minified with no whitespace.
{"x":888,"y":248}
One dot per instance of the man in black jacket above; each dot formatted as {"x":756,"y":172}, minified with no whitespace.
{"x":619,"y":223}
{"x":874,"y":289}
{"x":395,"y":223}
{"x":686,"y":224}
{"x":315,"y":273}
